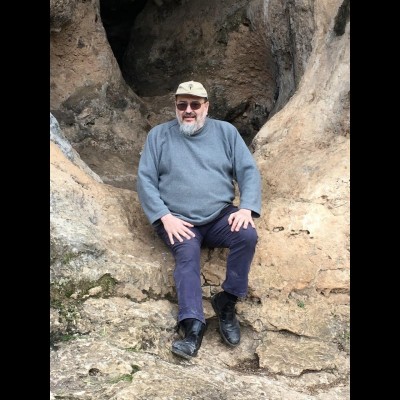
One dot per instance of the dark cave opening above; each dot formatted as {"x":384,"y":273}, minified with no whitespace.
{"x":118,"y":17}
{"x":148,"y":79}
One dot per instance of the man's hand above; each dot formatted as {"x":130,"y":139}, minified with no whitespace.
{"x":240,"y":218}
{"x":177,"y":228}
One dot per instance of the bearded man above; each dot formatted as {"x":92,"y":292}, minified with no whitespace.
{"x":186,"y":186}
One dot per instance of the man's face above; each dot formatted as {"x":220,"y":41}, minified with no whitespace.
{"x":191,"y":118}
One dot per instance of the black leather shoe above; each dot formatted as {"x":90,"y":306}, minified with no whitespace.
{"x":228,"y":324}
{"x":188,"y":347}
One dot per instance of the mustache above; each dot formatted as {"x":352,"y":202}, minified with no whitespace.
{"x":193,"y":115}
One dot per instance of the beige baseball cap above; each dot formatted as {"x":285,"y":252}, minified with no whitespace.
{"x":193,"y":88}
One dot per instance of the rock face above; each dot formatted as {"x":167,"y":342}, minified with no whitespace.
{"x":277,"y":70}
{"x":227,"y":52}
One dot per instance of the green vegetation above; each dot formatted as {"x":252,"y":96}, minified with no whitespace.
{"x":133,"y":349}
{"x":123,"y":378}
{"x":62,"y":292}
{"x":300,"y":304}
{"x":67,"y":296}
{"x":126,"y":377}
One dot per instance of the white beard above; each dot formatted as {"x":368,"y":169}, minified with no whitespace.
{"x":191,"y":129}
{"x":188,"y":129}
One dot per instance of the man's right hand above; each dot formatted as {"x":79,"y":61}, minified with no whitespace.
{"x":177,"y":228}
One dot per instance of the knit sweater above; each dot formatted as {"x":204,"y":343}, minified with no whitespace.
{"x":192,"y":177}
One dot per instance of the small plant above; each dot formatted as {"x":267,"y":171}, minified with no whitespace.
{"x":122,"y":378}
{"x":67,"y":257}
{"x":67,"y":337}
{"x":132,"y":349}
{"x":300,"y":304}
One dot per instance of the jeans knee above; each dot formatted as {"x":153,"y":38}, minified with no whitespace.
{"x":188,"y":249}
{"x":249,"y":236}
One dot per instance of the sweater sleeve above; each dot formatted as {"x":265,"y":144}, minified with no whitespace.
{"x":147,"y":182}
{"x":247,"y":177}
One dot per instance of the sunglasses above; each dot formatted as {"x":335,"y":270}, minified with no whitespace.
{"x":194,"y":105}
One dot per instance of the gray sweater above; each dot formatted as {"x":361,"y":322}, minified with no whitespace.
{"x":192,"y":177}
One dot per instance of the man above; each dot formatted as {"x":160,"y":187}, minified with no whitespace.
{"x":186,"y":186}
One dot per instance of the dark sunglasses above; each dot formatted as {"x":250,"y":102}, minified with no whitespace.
{"x":194,"y":105}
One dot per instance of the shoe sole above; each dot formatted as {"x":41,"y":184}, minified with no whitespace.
{"x":182,"y":354}
{"x":220,"y":328}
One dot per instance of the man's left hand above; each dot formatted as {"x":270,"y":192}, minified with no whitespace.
{"x":240,"y":218}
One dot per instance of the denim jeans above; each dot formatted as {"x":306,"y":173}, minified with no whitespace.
{"x":215,"y":234}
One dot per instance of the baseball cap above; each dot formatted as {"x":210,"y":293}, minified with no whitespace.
{"x":193,"y":88}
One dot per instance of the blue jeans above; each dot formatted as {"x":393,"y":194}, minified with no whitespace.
{"x":215,"y":234}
